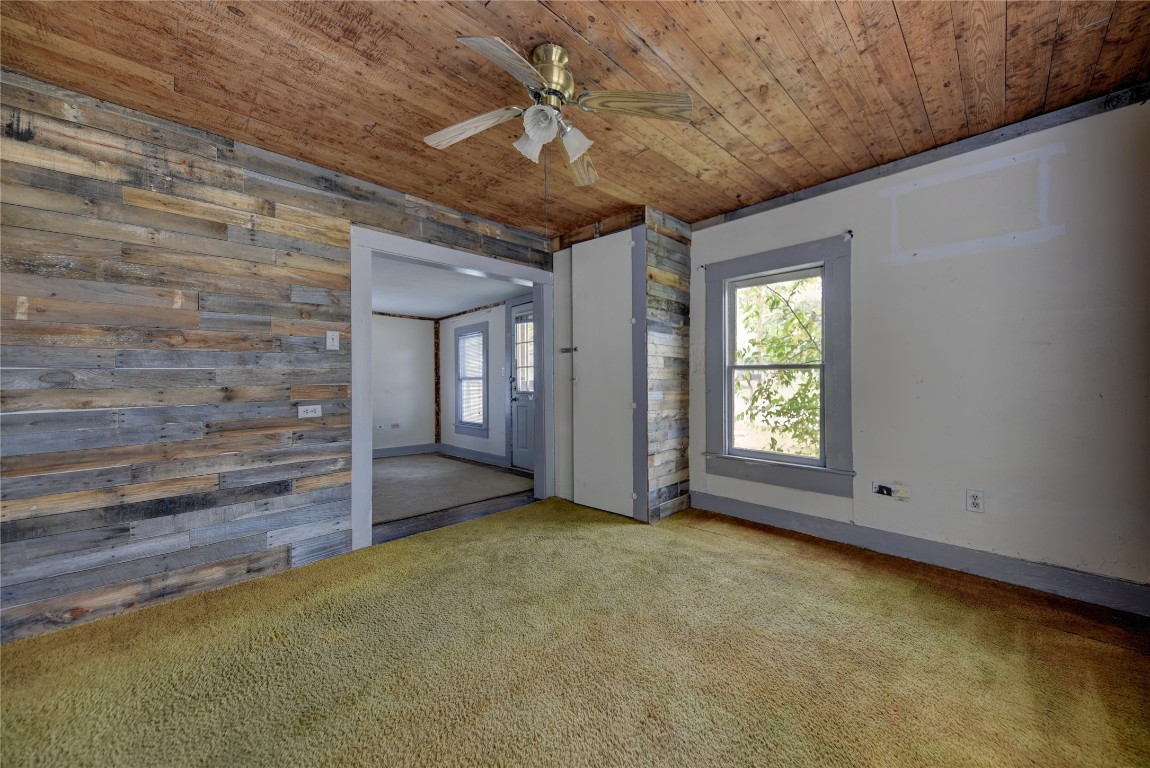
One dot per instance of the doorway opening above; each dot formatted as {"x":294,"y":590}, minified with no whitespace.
{"x":455,"y":378}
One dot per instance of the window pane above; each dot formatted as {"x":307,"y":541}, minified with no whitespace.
{"x":524,"y":354}
{"x":777,"y":411}
{"x":471,"y":356}
{"x":779,"y":322}
{"x":471,"y":398}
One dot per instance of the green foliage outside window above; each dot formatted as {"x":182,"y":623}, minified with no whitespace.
{"x":779,"y":408}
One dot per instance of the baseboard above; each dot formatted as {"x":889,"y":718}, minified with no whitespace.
{"x":467,"y":453}
{"x":1123,"y":595}
{"x":404,"y":450}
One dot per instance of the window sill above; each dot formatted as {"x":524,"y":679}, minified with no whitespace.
{"x":801,"y":477}
{"x":471,"y":430}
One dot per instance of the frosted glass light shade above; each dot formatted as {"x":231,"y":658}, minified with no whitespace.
{"x":529,"y":147}
{"x":540,"y":124}
{"x":575,"y":142}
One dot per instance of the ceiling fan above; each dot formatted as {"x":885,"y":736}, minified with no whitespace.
{"x":552,"y":87}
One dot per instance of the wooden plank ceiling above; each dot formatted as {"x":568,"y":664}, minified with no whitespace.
{"x":787,"y":95}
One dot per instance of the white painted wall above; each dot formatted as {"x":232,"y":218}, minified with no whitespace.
{"x":496,"y":440}
{"x":564,"y":480}
{"x":1001,"y":333}
{"x":402,"y":382}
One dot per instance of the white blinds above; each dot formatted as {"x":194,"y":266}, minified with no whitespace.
{"x":471,"y":381}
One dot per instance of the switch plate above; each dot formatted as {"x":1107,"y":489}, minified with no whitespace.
{"x":333,"y":340}
{"x":310,"y":411}
{"x":975,"y":501}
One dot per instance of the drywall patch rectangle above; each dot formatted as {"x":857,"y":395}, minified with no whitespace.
{"x":1023,"y":178}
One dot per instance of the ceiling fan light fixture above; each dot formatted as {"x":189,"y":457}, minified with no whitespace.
{"x":574,"y":141}
{"x":540,"y":125}
{"x":529,"y":147}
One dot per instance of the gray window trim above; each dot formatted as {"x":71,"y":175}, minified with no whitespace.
{"x":469,"y":428}
{"x":836,"y":477}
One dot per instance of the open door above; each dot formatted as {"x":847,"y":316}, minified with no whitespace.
{"x":603,"y":403}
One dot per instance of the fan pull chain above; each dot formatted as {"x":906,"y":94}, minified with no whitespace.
{"x":546,"y":189}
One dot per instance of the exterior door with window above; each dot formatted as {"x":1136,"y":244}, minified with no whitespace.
{"x":523,"y":387}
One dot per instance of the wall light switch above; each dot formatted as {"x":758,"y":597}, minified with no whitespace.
{"x":333,"y":340}
{"x":310,"y":411}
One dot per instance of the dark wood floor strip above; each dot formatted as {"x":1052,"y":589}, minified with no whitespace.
{"x":397,"y":529}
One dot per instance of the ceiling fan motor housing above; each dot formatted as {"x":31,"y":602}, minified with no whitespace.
{"x":551,"y":62}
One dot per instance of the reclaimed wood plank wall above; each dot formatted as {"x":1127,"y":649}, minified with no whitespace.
{"x":165,"y":295}
{"x":668,"y":339}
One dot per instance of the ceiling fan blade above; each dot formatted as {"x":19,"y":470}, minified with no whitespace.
{"x":460,"y":131}
{"x":497,"y":50}
{"x":669,"y":106}
{"x":583,"y":173}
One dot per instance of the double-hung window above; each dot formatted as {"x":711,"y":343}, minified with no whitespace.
{"x":778,"y":367}
{"x":471,"y":380}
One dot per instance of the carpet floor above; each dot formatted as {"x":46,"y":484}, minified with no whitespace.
{"x":406,"y":486}
{"x":556,"y":635}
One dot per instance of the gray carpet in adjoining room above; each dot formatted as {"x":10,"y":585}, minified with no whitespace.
{"x":405,"y":486}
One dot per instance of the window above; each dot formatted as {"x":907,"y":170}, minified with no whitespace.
{"x":471,"y":380}
{"x":778,"y":367}
{"x":525,"y":352}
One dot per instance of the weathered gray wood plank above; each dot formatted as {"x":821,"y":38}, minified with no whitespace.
{"x":259,"y":239}
{"x":222,"y":413}
{"x":319,"y":548}
{"x":57,"y":357}
{"x":245,"y":305}
{"x":309,"y":530}
{"x":30,"y":486}
{"x":332,"y":511}
{"x":308,"y":294}
{"x":134,"y":358}
{"x":102,"y":378}
{"x":16,"y":572}
{"x":86,"y":226}
{"x":50,"y":525}
{"x":128,"y":572}
{"x":58,"y":421}
{"x":76,"y":541}
{"x":235,"y":462}
{"x":24,"y":444}
{"x":202,"y":518}
{"x":284,"y":471}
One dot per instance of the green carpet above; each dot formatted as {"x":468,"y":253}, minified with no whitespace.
{"x":555,"y":635}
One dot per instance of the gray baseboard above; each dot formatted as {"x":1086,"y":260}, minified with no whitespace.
{"x":467,"y":453}
{"x":405,"y":450}
{"x":1123,"y":595}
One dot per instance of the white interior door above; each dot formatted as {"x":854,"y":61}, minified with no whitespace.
{"x":602,"y":429}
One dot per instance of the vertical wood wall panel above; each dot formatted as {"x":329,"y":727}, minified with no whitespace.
{"x":668,"y":336}
{"x":165,"y":295}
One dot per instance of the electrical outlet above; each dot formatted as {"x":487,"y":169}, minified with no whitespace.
{"x":310,"y":411}
{"x":333,"y":340}
{"x":975,"y":501}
